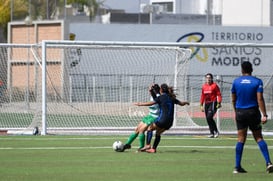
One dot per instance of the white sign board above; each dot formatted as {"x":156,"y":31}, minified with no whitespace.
{"x":220,"y":61}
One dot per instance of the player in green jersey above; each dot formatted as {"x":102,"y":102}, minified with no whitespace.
{"x":146,"y":121}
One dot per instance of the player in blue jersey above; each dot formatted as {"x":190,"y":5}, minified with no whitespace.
{"x":166,"y":101}
{"x":146,"y":121}
{"x":248,"y":103}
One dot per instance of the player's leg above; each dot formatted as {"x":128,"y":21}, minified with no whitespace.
{"x":242,"y":125}
{"x":149,"y":129}
{"x":148,"y":141}
{"x":149,"y":138}
{"x":242,"y":135}
{"x":141,"y":140}
{"x":208,"y":119}
{"x":240,"y":147}
{"x":216,"y":132}
{"x":257,"y":134}
{"x":256,"y":128}
{"x":159,"y":131}
{"x":210,"y":124}
{"x":210,"y":111}
{"x":214,"y":128}
{"x":132,"y":137}
{"x":141,"y":137}
{"x":160,"y":128}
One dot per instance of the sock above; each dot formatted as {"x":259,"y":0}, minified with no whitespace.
{"x":264,"y":149}
{"x":131,"y":138}
{"x":157,"y":140}
{"x":238,"y":154}
{"x":149,"y":137}
{"x":141,"y":140}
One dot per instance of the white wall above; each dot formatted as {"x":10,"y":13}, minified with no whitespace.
{"x":222,"y":61}
{"x":246,"y":13}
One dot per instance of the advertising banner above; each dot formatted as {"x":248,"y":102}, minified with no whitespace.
{"x":219,"y":60}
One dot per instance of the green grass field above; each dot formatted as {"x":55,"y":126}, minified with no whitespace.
{"x":81,"y":158}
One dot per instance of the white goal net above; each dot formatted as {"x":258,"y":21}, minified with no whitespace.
{"x":90,"y":87}
{"x":97,"y":84}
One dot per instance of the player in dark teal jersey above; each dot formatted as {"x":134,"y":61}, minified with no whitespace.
{"x":248,"y":103}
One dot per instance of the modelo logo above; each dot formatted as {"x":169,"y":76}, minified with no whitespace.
{"x":196,"y":37}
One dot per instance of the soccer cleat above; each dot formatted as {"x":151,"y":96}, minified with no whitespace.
{"x":151,"y":150}
{"x":126,"y":146}
{"x":216,"y":135}
{"x":146,"y":147}
{"x":269,"y":168}
{"x":211,"y":136}
{"x":239,"y":170}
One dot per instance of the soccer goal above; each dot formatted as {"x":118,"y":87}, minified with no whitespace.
{"x":97,"y":84}
{"x":73,"y":87}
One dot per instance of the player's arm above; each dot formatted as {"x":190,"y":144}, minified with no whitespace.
{"x":183,"y":103}
{"x":233,"y":96}
{"x":219,"y":97}
{"x":202,"y":99}
{"x":152,"y":92}
{"x":145,"y":103}
{"x":262,"y":106}
{"x":233,"y":100}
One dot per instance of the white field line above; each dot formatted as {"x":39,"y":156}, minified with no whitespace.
{"x":109,"y":147}
{"x":119,"y":138}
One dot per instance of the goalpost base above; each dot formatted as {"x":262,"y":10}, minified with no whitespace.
{"x":125,"y":131}
{"x":23,"y":131}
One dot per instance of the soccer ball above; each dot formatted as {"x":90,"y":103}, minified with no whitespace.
{"x":118,"y":146}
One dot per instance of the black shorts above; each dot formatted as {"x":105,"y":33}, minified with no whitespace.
{"x":248,"y":118}
{"x":164,"y":123}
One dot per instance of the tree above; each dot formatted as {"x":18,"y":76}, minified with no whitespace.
{"x":5,"y":10}
{"x":38,"y":9}
{"x":4,"y":16}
